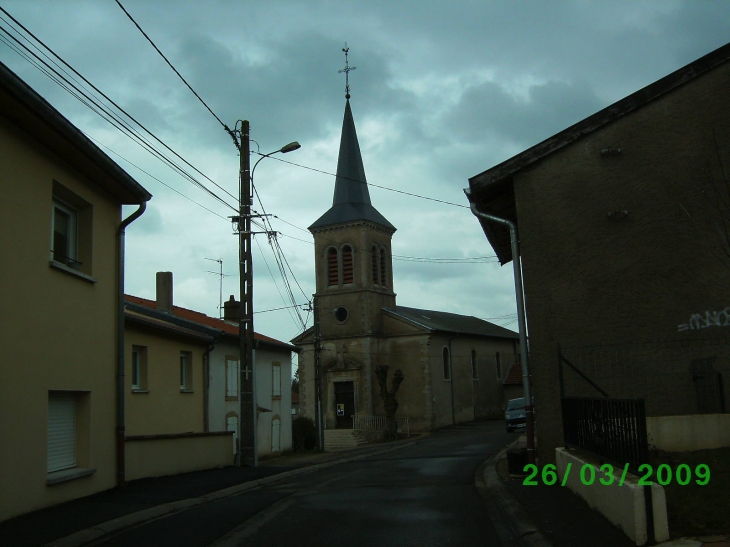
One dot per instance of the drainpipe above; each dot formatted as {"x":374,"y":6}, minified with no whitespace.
{"x":451,"y":373}
{"x":529,"y":409}
{"x":120,"y":431}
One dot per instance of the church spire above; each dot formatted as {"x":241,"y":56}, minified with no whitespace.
{"x":351,"y":199}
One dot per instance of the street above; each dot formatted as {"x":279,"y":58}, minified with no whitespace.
{"x":421,"y":493}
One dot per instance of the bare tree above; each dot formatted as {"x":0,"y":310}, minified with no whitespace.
{"x":389,"y":401}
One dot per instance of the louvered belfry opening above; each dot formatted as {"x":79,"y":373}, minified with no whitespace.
{"x":347,"y":271}
{"x":383,"y":279}
{"x":375,"y":265}
{"x":332,"y":267}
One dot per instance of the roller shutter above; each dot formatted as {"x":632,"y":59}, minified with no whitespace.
{"x":61,"y":431}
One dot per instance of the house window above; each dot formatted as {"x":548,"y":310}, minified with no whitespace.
{"x":64,"y":244}
{"x":231,"y":379}
{"x":186,"y":371}
{"x":232,"y":425}
{"x":332,"y":268}
{"x":71,"y":231}
{"x":474,"y":371}
{"x":61,"y":431}
{"x":447,"y":364}
{"x":383,"y":261}
{"x":374,"y":259}
{"x":275,"y":435}
{"x":498,"y":361}
{"x":276,"y":380}
{"x":139,"y":368}
{"x":347,"y":265}
{"x":68,"y":449}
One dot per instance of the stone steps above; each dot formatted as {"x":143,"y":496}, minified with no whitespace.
{"x":342,"y":439}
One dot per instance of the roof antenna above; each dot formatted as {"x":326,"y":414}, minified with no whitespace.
{"x":221,"y":275}
{"x":347,"y":70}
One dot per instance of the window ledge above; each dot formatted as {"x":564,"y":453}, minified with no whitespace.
{"x":183,"y":390}
{"x":229,"y":398}
{"x":276,"y":397}
{"x":69,"y":270}
{"x":138,"y":390}
{"x":64,"y":475}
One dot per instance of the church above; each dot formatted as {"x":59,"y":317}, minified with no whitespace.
{"x":455,"y":366}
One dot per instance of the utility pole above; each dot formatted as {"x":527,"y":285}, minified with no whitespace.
{"x":318,"y":375}
{"x":247,"y":450}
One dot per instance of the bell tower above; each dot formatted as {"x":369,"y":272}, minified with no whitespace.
{"x":352,"y":243}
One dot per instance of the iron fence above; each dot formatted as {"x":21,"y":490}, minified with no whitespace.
{"x":377,"y":423}
{"x":613,"y":430}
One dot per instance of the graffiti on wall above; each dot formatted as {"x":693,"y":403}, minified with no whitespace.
{"x":709,"y":319}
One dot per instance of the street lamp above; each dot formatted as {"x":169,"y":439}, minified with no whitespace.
{"x":247,"y":436}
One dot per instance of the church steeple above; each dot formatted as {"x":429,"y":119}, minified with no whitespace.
{"x":351,"y":200}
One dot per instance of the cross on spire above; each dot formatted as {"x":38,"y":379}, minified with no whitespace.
{"x":347,"y":70}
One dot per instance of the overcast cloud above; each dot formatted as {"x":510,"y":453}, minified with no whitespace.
{"x":442,"y":91}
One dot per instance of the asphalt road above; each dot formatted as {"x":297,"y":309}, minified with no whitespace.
{"x":419,"y":494}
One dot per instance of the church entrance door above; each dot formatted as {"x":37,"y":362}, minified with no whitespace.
{"x":344,"y":404}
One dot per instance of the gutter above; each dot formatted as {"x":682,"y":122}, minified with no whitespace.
{"x":519,"y":293}
{"x":120,"y":430}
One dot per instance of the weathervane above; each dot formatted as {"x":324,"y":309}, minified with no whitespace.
{"x":347,"y":70}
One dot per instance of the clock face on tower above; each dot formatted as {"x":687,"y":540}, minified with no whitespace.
{"x":341,"y":314}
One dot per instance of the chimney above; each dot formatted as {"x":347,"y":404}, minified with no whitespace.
{"x":164,"y":291}
{"x":231,"y":310}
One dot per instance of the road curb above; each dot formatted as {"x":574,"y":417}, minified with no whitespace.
{"x":523,"y":528}
{"x":117,"y":525}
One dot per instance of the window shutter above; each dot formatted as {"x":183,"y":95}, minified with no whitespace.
{"x":61,"y":431}
{"x":375,"y":265}
{"x":232,"y":378}
{"x":347,"y":271}
{"x":276,"y":381}
{"x":332,"y":267}
{"x":383,"y":278}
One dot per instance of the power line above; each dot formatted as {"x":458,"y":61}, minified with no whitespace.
{"x":228,"y":129}
{"x":127,"y":129}
{"x":155,"y":178}
{"x":370,"y":183}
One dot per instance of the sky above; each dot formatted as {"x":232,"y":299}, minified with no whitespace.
{"x":441,"y":91}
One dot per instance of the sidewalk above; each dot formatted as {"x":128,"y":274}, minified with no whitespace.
{"x":86,"y":519}
{"x":551,"y":515}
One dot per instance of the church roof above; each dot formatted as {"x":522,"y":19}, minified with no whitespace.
{"x":351,"y":201}
{"x":451,"y":322}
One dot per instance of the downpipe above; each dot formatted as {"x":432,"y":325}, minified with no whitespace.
{"x":519,"y":293}
{"x":120,"y":429}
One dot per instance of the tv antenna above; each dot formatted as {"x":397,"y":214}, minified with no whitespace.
{"x":221,"y":275}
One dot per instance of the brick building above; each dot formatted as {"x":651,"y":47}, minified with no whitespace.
{"x":621,"y":219}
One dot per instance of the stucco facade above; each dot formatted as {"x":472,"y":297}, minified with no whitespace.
{"x":59,"y":312}
{"x":617,"y":240}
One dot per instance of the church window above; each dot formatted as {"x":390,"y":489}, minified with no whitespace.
{"x":332,"y":267}
{"x":383,"y":279}
{"x":375,"y":265}
{"x":347,"y":267}
{"x":474,"y":371}
{"x":341,"y":314}
{"x":498,"y":359}
{"x":447,"y":364}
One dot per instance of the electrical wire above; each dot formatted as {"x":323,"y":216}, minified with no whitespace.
{"x":369,"y":183}
{"x":172,"y":67}
{"x":128,"y":130}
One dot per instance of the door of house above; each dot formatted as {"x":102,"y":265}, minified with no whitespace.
{"x":344,"y":404}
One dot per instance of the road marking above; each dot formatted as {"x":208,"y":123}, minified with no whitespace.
{"x":238,"y":535}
